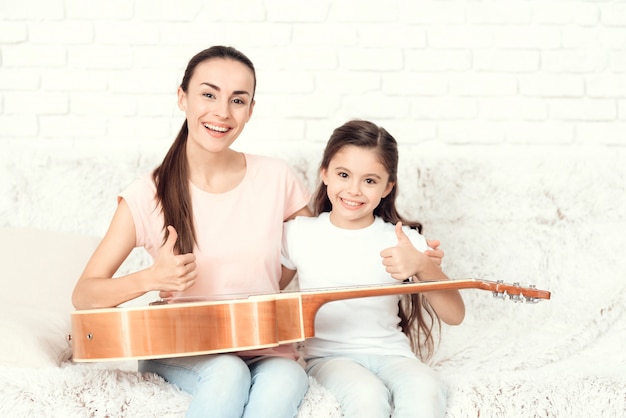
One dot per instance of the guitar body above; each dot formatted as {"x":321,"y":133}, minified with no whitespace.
{"x":179,"y":329}
{"x":193,"y":328}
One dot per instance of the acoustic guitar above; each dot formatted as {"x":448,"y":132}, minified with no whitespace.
{"x":183,"y":328}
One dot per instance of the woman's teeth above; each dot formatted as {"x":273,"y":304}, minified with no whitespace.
{"x":215,"y":128}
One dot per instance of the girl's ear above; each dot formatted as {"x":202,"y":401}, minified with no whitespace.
{"x":388,"y":189}
{"x":323,"y":176}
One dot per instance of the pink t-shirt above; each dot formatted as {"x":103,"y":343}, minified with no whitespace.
{"x":239,"y":232}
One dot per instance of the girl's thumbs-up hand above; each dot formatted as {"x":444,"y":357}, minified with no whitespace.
{"x":173,"y":272}
{"x":402,"y":260}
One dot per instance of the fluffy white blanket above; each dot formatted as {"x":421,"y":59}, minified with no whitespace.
{"x":111,"y":390}
{"x":534,"y":217}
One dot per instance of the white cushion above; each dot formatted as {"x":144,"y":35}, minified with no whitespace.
{"x":39,"y":271}
{"x":40,"y":268}
{"x":32,"y":337}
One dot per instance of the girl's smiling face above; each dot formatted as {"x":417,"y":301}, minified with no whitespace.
{"x":218,"y":103}
{"x":356,"y":182}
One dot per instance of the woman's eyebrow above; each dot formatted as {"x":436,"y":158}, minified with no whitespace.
{"x":213,"y":86}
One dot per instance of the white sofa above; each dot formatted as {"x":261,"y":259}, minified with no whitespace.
{"x":533,"y":216}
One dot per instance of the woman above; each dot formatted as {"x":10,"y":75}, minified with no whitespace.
{"x":212,"y":219}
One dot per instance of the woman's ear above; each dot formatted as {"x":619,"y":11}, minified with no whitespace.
{"x":251,"y":109}
{"x":182,"y":99}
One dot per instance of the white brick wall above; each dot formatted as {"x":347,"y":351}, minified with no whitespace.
{"x":452,"y":73}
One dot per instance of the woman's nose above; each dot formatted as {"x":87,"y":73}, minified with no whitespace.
{"x":220,"y":109}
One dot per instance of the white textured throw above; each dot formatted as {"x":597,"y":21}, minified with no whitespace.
{"x":530,"y":216}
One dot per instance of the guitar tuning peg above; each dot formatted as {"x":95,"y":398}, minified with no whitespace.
{"x":529,"y":299}
{"x":499,"y":294}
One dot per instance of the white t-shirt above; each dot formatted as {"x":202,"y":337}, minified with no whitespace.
{"x":326,"y":256}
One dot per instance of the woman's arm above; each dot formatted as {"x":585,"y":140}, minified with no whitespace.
{"x":96,"y":288}
{"x":305,"y":211}
{"x":286,"y":277}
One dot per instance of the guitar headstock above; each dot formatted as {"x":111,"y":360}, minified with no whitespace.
{"x":515,"y":292}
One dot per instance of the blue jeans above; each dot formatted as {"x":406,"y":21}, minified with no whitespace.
{"x":226,"y":385}
{"x":381,"y":386}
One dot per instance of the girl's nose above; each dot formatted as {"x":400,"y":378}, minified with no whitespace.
{"x":355,"y":188}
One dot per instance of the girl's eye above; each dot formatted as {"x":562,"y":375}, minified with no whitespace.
{"x":370,"y":181}
{"x":343,"y":175}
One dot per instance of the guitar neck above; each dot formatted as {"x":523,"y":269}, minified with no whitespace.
{"x":313,"y":299}
{"x":333,"y":294}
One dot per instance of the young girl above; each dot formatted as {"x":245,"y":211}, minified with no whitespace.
{"x":363,"y":350}
{"x":212,"y":220}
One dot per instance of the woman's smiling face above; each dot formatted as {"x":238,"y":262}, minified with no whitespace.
{"x":356,"y":182}
{"x":218,"y":103}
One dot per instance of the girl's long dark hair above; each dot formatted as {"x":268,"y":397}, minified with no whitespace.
{"x":172,"y":176}
{"x":417,"y":318}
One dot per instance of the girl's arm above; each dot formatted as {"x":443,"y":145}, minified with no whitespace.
{"x":435,"y":253}
{"x":96,"y":289}
{"x":404,"y":261}
{"x":448,"y":304}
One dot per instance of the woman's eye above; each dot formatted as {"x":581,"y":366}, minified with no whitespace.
{"x":238,"y":101}
{"x":208,"y":95}
{"x":342,"y":175}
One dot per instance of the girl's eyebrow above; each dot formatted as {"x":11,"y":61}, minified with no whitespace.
{"x":366,"y":175}
{"x":213,"y":86}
